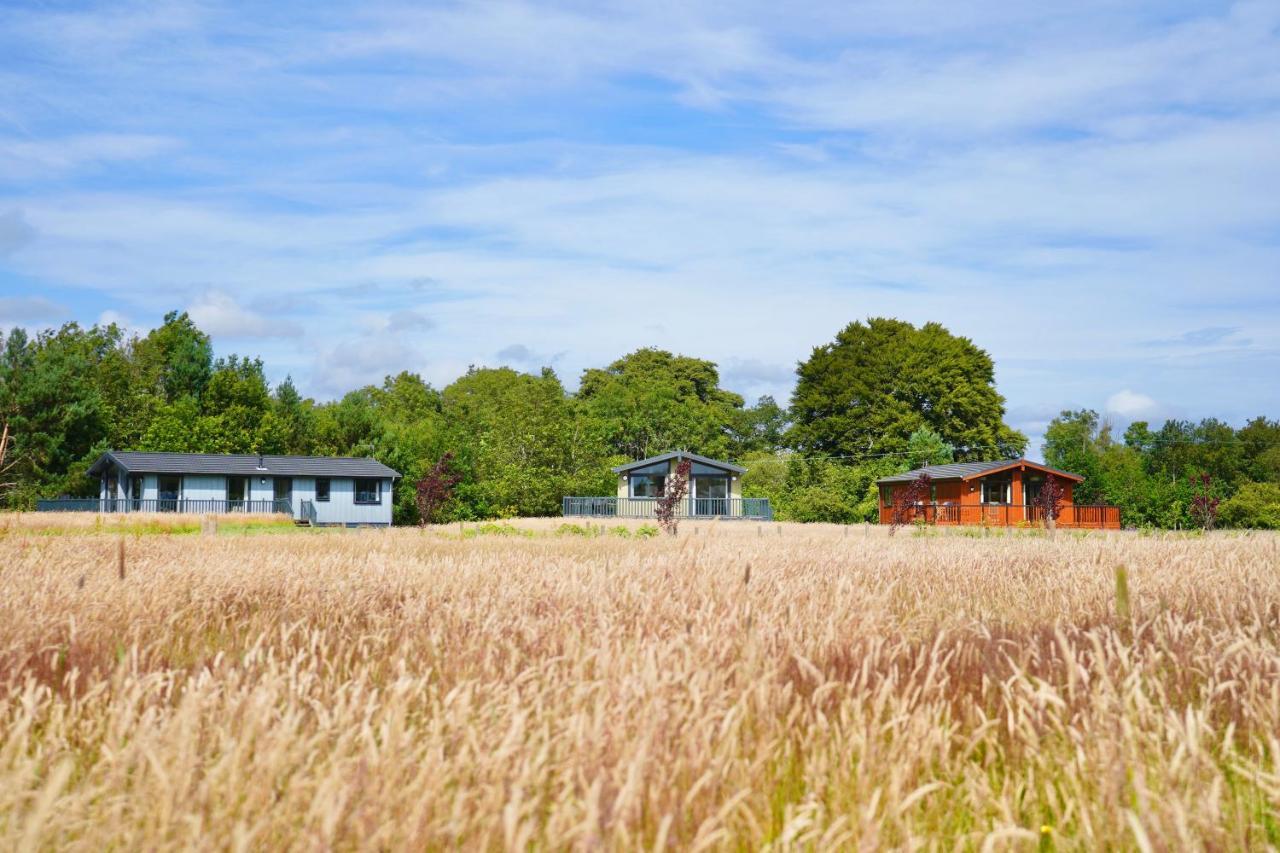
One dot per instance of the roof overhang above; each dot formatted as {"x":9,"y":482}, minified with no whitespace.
{"x":1022,"y":465}
{"x":679,"y":454}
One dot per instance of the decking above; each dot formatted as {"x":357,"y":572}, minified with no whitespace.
{"x":751,"y":509}
{"x":195,"y":505}
{"x":1095,"y":516}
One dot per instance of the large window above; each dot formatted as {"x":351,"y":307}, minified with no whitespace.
{"x":711,"y":488}
{"x":647,"y":485}
{"x":322,"y":489}
{"x":368,"y":491}
{"x":995,"y":491}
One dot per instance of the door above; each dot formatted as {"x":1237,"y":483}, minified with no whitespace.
{"x":169,"y":492}
{"x":135,"y":492}
{"x":235,"y":494}
{"x":282,"y":490}
{"x":711,"y":495}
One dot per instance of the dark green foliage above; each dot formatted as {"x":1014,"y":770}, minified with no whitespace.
{"x":651,"y":401}
{"x":884,"y":397}
{"x":879,"y":382}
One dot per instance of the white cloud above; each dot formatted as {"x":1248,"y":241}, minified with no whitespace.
{"x":20,"y":158}
{"x":217,"y":313}
{"x":409,"y":321}
{"x":15,"y":232}
{"x":29,"y":310}
{"x":1130,"y":404}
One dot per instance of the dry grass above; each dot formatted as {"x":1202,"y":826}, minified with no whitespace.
{"x":426,"y":690}
{"x":136,"y":524}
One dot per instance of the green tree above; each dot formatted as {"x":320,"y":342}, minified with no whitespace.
{"x":176,"y":359}
{"x":762,"y":427}
{"x":926,"y":447}
{"x":1255,"y":505}
{"x":651,"y":401}
{"x":58,"y":419}
{"x":288,"y":426}
{"x":520,"y":443}
{"x":1260,"y":446}
{"x":880,"y":381}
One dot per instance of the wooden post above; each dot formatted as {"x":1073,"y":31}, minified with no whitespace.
{"x":120,"y":557}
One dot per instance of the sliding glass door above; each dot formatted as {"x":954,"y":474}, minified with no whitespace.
{"x":169,"y":492}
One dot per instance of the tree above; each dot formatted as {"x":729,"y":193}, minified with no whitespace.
{"x":761,"y":427}
{"x":287,"y":426}
{"x":177,"y":358}
{"x":652,"y":401}
{"x":522,"y":443}
{"x":1050,"y":501}
{"x":926,"y":447}
{"x":435,"y":489}
{"x":1260,"y":447}
{"x":1256,"y":505}
{"x":878,"y":382}
{"x":667,"y":507}
{"x":918,"y":492}
{"x":1204,"y":505}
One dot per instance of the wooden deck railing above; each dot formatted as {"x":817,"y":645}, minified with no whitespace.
{"x":757,"y":509}
{"x":1009,"y":515}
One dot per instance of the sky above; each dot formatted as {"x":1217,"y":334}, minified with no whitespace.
{"x":1090,"y":191}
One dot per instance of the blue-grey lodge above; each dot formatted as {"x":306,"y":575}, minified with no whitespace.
{"x":312,"y":489}
{"x":715,"y":491}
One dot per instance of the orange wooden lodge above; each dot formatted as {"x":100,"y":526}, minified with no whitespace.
{"x":985,"y":493}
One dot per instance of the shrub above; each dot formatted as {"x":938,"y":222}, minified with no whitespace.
{"x":1254,"y":505}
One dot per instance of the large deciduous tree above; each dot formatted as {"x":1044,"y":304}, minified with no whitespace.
{"x":880,"y":381}
{"x":652,"y":401}
{"x":521,"y":443}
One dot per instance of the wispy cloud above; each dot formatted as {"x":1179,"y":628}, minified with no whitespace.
{"x":15,"y":232}
{"x":1208,"y":336}
{"x":219,"y":314}
{"x":25,"y":310}
{"x":731,"y":181}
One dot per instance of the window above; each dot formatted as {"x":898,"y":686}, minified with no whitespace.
{"x":1031,"y":488}
{"x":322,"y":489}
{"x":647,"y":485}
{"x":368,"y":491}
{"x":711,"y":488}
{"x":995,"y":491}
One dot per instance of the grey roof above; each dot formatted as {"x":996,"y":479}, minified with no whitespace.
{"x":680,"y":454}
{"x":243,"y":464}
{"x":969,"y":470}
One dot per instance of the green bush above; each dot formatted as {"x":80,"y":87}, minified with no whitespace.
{"x":1255,"y":505}
{"x":495,"y":529}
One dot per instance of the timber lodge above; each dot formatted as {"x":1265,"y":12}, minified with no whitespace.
{"x":1000,"y":493}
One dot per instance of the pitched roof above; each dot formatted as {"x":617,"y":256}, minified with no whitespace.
{"x":969,"y":470}
{"x":243,"y":464}
{"x":680,"y":454}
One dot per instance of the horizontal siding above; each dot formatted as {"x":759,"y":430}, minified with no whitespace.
{"x":341,"y":507}
{"x":204,"y":487}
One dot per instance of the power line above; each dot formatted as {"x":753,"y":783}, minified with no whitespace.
{"x":885,"y":454}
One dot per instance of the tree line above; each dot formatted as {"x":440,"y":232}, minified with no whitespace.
{"x":883,"y":397}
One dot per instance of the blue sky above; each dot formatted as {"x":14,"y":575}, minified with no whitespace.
{"x":1090,"y":191}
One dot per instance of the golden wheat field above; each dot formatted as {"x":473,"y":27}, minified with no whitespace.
{"x":738,"y":686}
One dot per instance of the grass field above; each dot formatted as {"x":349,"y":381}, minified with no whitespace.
{"x":737,"y":686}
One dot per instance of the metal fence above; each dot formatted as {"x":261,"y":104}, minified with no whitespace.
{"x":194,"y":505}
{"x":756,"y":509}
